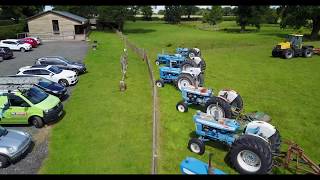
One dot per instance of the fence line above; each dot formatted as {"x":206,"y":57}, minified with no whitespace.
{"x":143,"y":55}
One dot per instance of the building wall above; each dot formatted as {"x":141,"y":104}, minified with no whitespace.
{"x":42,"y":27}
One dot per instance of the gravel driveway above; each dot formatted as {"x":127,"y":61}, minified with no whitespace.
{"x":76,"y":50}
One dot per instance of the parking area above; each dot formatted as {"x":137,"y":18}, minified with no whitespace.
{"x":75,"y":50}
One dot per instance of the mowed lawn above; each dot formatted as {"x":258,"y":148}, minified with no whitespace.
{"x":288,"y":90}
{"x":105,"y":130}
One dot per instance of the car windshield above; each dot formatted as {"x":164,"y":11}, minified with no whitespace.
{"x":55,"y":69}
{"x":20,"y":41}
{"x":35,"y":95}
{"x":45,"y":83}
{"x":3,"y":131}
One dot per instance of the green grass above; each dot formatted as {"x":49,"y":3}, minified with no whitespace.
{"x":104,"y":130}
{"x":285,"y":89}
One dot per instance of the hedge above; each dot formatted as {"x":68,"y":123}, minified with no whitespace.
{"x":11,"y":31}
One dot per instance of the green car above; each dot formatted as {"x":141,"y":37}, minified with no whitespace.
{"x":29,"y":106}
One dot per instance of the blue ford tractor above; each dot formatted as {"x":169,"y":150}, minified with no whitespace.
{"x":180,"y":78}
{"x":227,"y":104}
{"x":184,"y":58}
{"x":251,"y":146}
{"x":194,"y":166}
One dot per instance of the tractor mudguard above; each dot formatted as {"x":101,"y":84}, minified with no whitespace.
{"x":192,"y":70}
{"x":228,"y":95}
{"x":260,"y":128}
{"x":197,"y":60}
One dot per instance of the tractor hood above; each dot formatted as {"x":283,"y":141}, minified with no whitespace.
{"x":48,"y":103}
{"x":283,"y":45}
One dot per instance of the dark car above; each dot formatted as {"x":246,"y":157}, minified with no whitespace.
{"x":48,"y":86}
{"x":5,"y":53}
{"x":62,"y":63}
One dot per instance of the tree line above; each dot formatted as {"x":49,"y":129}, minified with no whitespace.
{"x":295,"y":16}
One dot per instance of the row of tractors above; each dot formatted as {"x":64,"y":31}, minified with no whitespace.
{"x":251,"y":140}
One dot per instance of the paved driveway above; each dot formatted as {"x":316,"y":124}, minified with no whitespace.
{"x":31,"y":163}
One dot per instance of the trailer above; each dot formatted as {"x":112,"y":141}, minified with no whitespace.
{"x":316,"y":51}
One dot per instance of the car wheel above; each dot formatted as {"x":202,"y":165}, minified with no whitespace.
{"x":1,"y":58}
{"x":4,"y":161}
{"x":22,"y":49}
{"x":63,"y":82}
{"x":76,"y":71}
{"x":37,"y":122}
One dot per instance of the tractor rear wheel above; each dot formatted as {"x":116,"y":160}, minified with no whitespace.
{"x":236,"y":106}
{"x":288,"y":53}
{"x":184,"y":80}
{"x":202,"y":65}
{"x":196,"y":145}
{"x":159,"y":83}
{"x":308,"y":52}
{"x":250,"y":155}
{"x":201,"y":79}
{"x":275,"y":142}
{"x":218,"y":108}
{"x":187,"y":64}
{"x":182,"y":106}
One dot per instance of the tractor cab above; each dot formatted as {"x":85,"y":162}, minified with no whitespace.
{"x":295,"y":40}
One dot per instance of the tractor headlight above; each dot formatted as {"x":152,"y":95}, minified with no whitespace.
{"x":46,"y":111}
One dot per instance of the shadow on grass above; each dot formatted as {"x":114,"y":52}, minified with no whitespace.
{"x":133,"y":31}
{"x":237,"y":30}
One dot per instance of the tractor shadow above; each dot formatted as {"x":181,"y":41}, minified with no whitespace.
{"x":237,"y":30}
{"x":135,"y":31}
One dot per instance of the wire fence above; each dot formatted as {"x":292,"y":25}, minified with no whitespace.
{"x":143,"y":55}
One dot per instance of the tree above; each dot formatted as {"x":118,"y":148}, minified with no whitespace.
{"x":172,"y":14}
{"x":146,"y":12}
{"x":227,"y":11}
{"x":250,"y":15}
{"x":298,"y":16}
{"x":214,"y":15}
{"x":19,"y":12}
{"x":271,"y":16}
{"x":115,"y":15}
{"x":84,"y":11}
{"x":189,"y":10}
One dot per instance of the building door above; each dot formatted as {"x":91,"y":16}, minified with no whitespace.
{"x":78,"y":29}
{"x":55,"y":26}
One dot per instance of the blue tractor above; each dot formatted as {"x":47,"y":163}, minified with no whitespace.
{"x":180,"y":78}
{"x":184,"y":58}
{"x":194,"y":166}
{"x":227,"y":104}
{"x":251,"y":146}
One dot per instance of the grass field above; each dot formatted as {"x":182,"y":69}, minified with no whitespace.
{"x":104,"y":130}
{"x":288,"y":90}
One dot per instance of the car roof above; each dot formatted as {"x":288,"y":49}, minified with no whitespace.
{"x":53,"y":57}
{"x":11,"y":40}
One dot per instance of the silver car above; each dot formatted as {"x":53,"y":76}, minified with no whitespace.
{"x":13,"y":145}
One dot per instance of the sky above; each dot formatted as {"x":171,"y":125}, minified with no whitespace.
{"x":154,"y":8}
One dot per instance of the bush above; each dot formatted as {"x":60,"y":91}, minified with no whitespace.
{"x":11,"y":31}
{"x":228,"y":18}
{"x":6,"y":22}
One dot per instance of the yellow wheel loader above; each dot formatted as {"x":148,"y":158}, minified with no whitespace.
{"x":292,"y":47}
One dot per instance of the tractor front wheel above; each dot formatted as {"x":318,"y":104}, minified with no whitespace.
{"x":274,"y":53}
{"x":196,"y":145}
{"x":308,"y":53}
{"x":159,"y":83}
{"x":288,"y":53}
{"x":218,"y":108}
{"x":182,"y":106}
{"x":157,"y":62}
{"x":250,"y":155}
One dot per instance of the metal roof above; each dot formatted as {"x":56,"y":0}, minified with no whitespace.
{"x":69,"y":15}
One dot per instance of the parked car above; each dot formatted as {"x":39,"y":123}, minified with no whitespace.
{"x":30,"y":41}
{"x":62,"y":63}
{"x":39,"y":41}
{"x":5,"y":53}
{"x":15,"y":44}
{"x":13,"y":145}
{"x":47,"y":85}
{"x":28,"y":106}
{"x":53,"y":73}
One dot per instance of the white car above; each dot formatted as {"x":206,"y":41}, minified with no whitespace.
{"x":15,"y":44}
{"x":53,"y":73}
